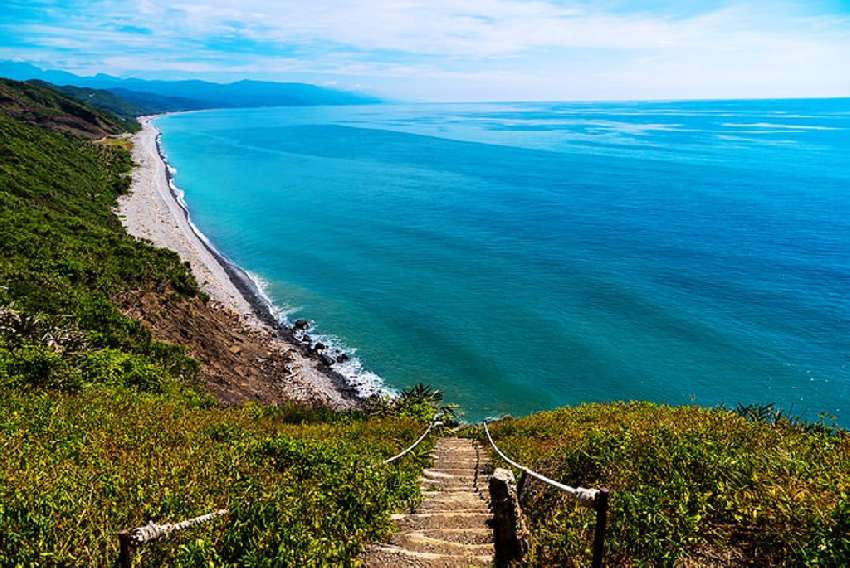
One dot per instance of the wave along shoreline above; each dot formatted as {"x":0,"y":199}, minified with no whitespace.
{"x":345,"y":367}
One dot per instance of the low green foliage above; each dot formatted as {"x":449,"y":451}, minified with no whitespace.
{"x":703,"y":485}
{"x":77,"y":467}
{"x":64,"y":259}
{"x":100,"y":426}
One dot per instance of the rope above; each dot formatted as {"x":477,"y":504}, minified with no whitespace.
{"x":434,"y":424}
{"x":584,"y":496}
{"x":152,"y":531}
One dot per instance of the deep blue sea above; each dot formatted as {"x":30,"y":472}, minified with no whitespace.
{"x":524,"y":256}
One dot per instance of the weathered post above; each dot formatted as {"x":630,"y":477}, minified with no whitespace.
{"x":601,"y":506}
{"x":125,"y":553}
{"x":509,"y":530}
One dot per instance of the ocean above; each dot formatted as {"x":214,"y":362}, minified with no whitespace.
{"x":524,"y":256}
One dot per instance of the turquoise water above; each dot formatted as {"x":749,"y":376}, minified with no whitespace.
{"x":525,"y":256}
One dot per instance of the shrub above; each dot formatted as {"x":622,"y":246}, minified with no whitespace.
{"x":80,"y":466}
{"x":37,"y":366}
{"x":687,"y":483}
{"x":115,"y":367}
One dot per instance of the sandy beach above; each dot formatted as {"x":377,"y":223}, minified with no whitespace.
{"x":151,"y":212}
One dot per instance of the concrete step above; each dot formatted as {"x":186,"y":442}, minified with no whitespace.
{"x":468,"y":536}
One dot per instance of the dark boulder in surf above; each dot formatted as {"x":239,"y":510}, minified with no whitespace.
{"x":327,"y":359}
{"x":342,"y":358}
{"x":301,"y":325}
{"x":320,"y":347}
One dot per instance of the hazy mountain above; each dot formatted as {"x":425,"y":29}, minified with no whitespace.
{"x":195,"y":94}
{"x":127,"y":104}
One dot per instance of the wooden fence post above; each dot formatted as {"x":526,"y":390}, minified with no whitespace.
{"x":125,"y":554}
{"x":509,"y":529}
{"x":601,"y":506}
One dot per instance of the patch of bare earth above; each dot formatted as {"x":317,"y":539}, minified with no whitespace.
{"x":239,"y":363}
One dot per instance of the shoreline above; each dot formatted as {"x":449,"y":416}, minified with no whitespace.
{"x":226,"y":283}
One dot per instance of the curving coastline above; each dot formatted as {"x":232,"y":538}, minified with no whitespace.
{"x":154,"y":211}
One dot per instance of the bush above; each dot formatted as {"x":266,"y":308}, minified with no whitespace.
{"x":114,"y":367}
{"x":702,"y":485}
{"x":37,"y":366}
{"x":80,"y":466}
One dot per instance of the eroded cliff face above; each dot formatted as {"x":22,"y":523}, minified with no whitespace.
{"x":240,"y":361}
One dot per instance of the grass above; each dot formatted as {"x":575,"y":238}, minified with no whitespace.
{"x":303,"y":487}
{"x":104,"y":428}
{"x":121,"y":142}
{"x":688,"y":484}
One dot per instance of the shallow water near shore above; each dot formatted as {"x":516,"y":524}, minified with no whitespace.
{"x":524,"y":256}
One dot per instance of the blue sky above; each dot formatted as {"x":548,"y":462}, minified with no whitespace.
{"x":452,"y":49}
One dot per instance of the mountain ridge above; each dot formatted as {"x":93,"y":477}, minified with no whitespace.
{"x":195,"y":93}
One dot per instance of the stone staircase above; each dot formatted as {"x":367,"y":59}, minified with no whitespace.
{"x":450,"y":529}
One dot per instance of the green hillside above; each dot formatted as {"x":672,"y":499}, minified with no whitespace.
{"x":103,"y":427}
{"x":689,"y":486}
{"x":37,"y":103}
{"x":128,"y":104}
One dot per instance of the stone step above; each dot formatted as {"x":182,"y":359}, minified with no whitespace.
{"x":465,"y":502}
{"x":432,"y":508}
{"x":442,"y":521}
{"x":442,"y":474}
{"x":450,"y":528}
{"x":460,"y":470}
{"x":396,"y":557}
{"x":445,"y":485}
{"x":468,"y":536}
{"x":419,"y":542}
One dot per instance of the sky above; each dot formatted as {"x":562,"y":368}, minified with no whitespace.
{"x":452,"y":50}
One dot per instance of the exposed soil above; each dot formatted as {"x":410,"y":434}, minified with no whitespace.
{"x":238,"y":362}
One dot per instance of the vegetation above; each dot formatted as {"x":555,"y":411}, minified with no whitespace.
{"x":104,"y":428}
{"x":35,"y":102}
{"x":304,"y":487}
{"x":64,"y":257}
{"x":708,"y":486}
{"x":127,"y":104}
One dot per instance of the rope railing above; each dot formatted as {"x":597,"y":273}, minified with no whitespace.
{"x":434,"y":424}
{"x":132,"y":539}
{"x":153,"y":531}
{"x":596,"y":498}
{"x":129,"y":540}
{"x":586,"y":497}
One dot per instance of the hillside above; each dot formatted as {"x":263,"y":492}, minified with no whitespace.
{"x":104,"y":427}
{"x":689,"y":486}
{"x":38,"y":104}
{"x":128,"y":104}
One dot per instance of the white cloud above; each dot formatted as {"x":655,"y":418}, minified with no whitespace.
{"x":468,"y":49}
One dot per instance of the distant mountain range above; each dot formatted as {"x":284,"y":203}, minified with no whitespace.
{"x":161,"y":96}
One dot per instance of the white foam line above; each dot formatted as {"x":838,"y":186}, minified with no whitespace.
{"x":365,"y":382}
